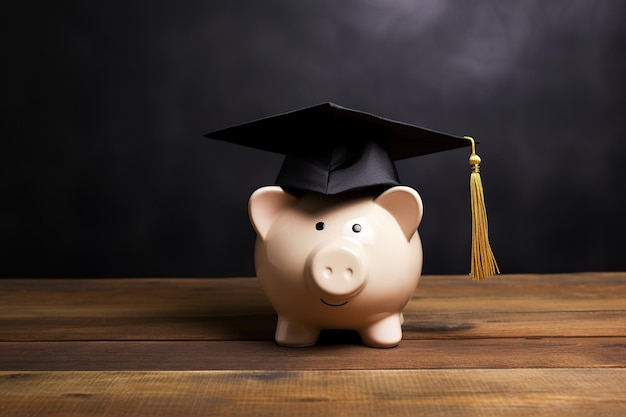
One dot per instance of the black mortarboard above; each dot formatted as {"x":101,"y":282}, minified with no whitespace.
{"x":330,"y":149}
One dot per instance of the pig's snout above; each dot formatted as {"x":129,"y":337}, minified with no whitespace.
{"x":339,"y":268}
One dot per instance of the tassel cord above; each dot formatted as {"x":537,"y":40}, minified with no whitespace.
{"x":483,"y":262}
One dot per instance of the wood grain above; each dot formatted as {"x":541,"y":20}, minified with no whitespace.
{"x":338,"y":352}
{"x":515,"y":345}
{"x":590,"y":305}
{"x":513,"y":392}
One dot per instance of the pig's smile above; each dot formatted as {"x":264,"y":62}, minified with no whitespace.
{"x":333,"y":305}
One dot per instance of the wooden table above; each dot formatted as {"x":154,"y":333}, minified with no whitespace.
{"x":519,"y":345}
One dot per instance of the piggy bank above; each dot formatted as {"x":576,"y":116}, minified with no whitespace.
{"x":348,"y":261}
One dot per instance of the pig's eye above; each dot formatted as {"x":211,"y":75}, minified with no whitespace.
{"x":319,"y":226}
{"x":356,"y":228}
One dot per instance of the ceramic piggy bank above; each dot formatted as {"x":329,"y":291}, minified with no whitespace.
{"x":337,"y":261}
{"x":337,"y":244}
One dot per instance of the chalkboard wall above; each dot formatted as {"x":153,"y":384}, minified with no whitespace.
{"x":105,"y":171}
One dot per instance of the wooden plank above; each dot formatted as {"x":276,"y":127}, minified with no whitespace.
{"x":345,"y":353}
{"x":129,"y":297}
{"x":514,"y":392}
{"x":459,"y":324}
{"x":435,"y":325}
{"x":511,"y":345}
{"x":554,"y":280}
{"x":235,"y":309}
{"x":145,"y":297}
{"x":522,"y":293}
{"x":159,"y":327}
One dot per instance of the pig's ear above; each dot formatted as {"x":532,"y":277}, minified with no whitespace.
{"x":264,"y":205}
{"x":405,"y":205}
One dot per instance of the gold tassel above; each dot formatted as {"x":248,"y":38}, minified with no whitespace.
{"x":483,"y":262}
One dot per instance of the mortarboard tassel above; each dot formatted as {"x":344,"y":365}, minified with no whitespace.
{"x":483,"y":262}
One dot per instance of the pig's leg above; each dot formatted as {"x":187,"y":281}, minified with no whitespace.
{"x":384,"y":333}
{"x":295,"y":334}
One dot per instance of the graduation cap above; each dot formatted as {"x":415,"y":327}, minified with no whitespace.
{"x":330,"y":149}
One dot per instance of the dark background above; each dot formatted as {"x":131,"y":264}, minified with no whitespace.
{"x":104,"y":170}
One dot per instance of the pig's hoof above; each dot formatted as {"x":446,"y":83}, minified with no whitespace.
{"x":293,"y":334}
{"x":386,"y":333}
